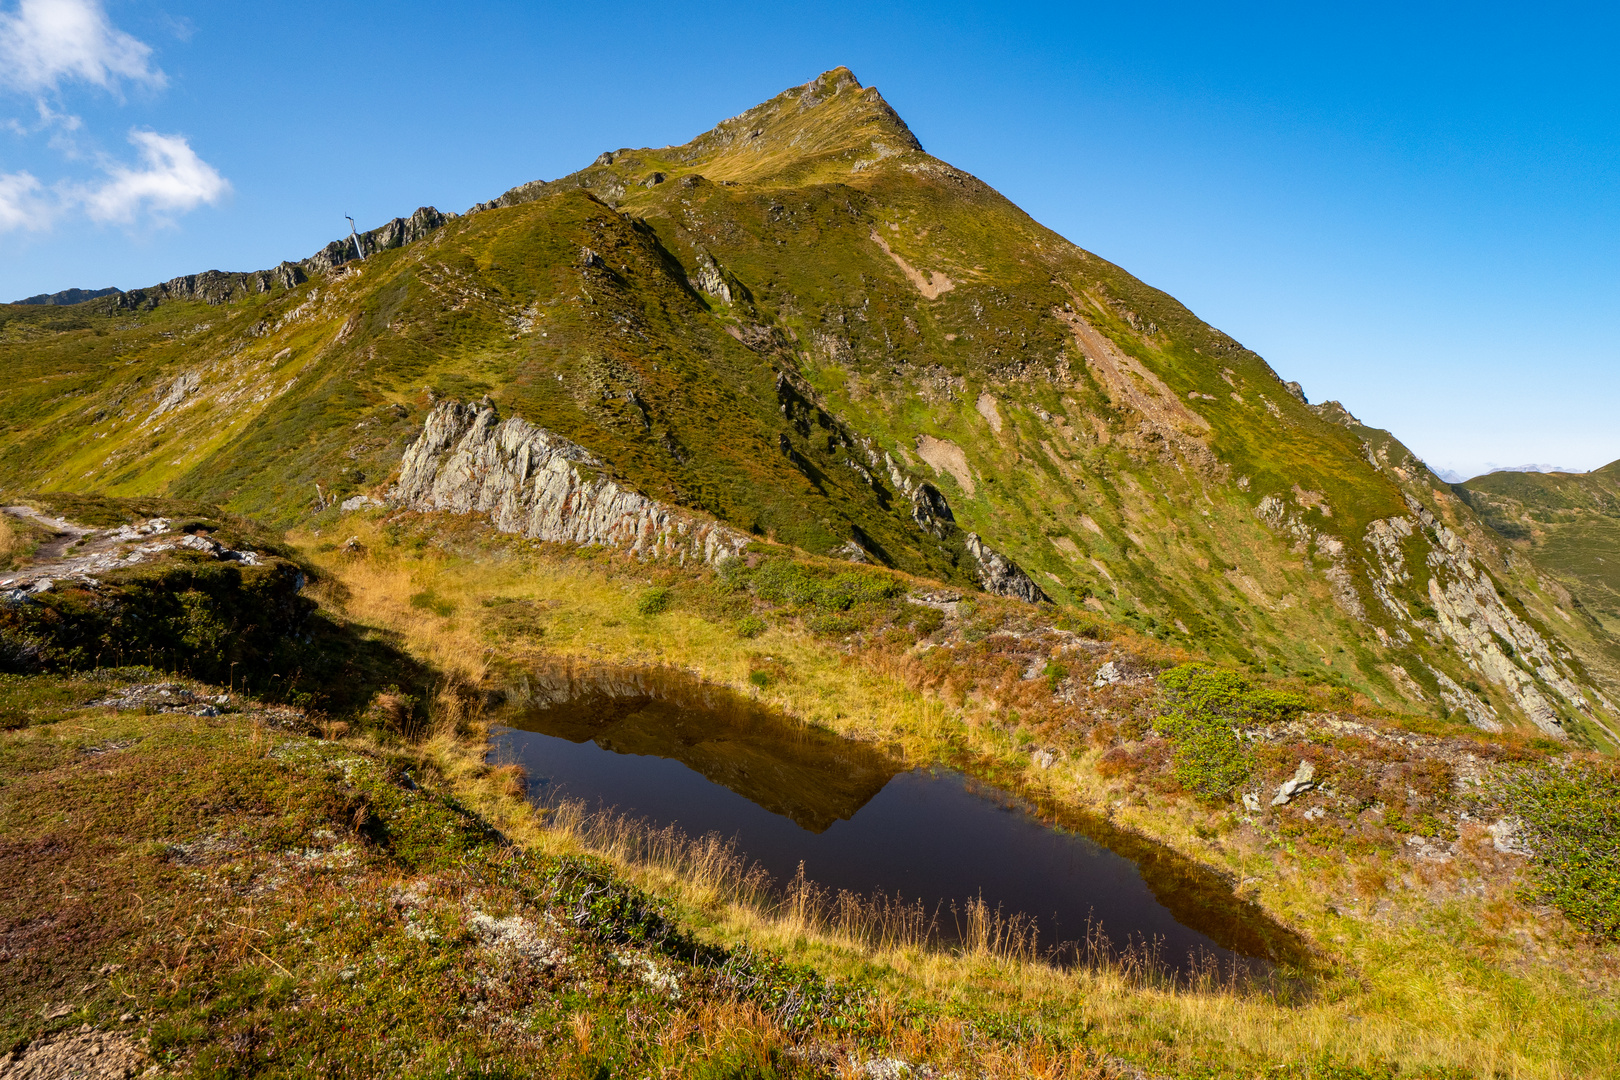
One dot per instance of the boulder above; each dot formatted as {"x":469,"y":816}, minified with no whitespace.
{"x":1000,"y":575}
{"x":1303,"y":780}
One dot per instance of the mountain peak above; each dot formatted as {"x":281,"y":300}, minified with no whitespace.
{"x":831,"y":116}
{"x":830,"y":123}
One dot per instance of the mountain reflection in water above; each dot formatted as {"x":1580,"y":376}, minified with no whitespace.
{"x":667,"y":749}
{"x":812,"y":777}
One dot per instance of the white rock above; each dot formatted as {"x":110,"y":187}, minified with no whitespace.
{"x":1507,"y":837}
{"x":1302,"y":780}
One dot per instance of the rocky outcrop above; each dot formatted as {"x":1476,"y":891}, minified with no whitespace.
{"x":1000,"y":575}
{"x":530,"y":481}
{"x":96,"y":552}
{"x":396,"y":233}
{"x":221,"y":287}
{"x":708,"y":278}
{"x":1468,"y":613}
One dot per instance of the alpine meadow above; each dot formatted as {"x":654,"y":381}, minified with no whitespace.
{"x":804,"y":463}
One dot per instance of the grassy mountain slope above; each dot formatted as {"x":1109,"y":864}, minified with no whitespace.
{"x":1568,"y":522}
{"x":790,"y":323}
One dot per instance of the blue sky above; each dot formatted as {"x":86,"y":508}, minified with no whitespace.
{"x":1414,"y":210}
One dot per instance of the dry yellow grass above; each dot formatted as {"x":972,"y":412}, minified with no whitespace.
{"x":1476,"y":983}
{"x":9,"y":542}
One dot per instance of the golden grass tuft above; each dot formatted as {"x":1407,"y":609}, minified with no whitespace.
{"x":10,"y":542}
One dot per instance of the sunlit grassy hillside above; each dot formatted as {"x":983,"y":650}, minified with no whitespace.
{"x":788,"y":322}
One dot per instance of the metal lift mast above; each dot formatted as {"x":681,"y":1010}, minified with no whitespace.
{"x":358,"y":250}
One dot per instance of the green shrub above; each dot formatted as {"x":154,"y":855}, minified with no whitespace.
{"x":927,"y":620}
{"x":431,"y":601}
{"x":751,"y":626}
{"x":760,"y":679}
{"x":835,"y":623}
{"x":1571,"y":821}
{"x":783,"y":581}
{"x":653,"y":601}
{"x":732,"y":574}
{"x":1202,"y":707}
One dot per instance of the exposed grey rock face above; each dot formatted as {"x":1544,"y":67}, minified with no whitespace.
{"x":184,"y":385}
{"x":707,"y":278}
{"x":850,"y":551}
{"x":220,"y":287}
{"x":523,"y":193}
{"x":210,"y":286}
{"x":396,"y":233}
{"x":1000,"y":575}
{"x":530,"y":481}
{"x":1469,"y":615}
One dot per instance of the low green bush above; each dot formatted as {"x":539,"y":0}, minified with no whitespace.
{"x":1203,"y":706}
{"x":431,"y":601}
{"x":653,"y":601}
{"x":751,"y":626}
{"x":783,"y":581}
{"x":1570,"y":818}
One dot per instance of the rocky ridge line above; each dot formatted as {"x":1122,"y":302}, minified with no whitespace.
{"x":535,"y":483}
{"x":530,"y":481}
{"x":222,"y":286}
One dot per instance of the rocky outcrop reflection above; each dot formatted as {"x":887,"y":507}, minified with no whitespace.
{"x":812,"y":777}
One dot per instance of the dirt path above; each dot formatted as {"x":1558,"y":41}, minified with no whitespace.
{"x":63,"y":532}
{"x":77,"y":552}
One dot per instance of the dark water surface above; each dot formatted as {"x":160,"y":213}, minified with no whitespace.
{"x":671,"y":750}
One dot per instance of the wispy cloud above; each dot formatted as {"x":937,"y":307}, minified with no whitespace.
{"x":47,"y":42}
{"x":170,"y":179}
{"x":23,"y":205}
{"x":45,"y":45}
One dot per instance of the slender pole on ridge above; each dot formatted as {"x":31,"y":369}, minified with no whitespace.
{"x":358,"y":250}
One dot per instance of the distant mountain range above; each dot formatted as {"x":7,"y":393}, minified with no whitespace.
{"x":1568,"y":522}
{"x":70,"y":296}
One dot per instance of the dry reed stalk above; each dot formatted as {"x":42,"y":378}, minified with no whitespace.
{"x":580,"y":1024}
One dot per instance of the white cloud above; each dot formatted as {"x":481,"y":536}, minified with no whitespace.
{"x":45,"y":44}
{"x":171,"y":179}
{"x":22,"y":205}
{"x":48,"y":41}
